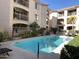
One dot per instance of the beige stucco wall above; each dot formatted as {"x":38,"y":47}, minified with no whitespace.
{"x":53,"y":19}
{"x":6,"y":15}
{"x":43,"y":15}
{"x":41,"y":11}
{"x":31,"y":11}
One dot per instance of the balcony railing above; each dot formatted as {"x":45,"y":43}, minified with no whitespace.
{"x":72,"y":13}
{"x":23,"y":2}
{"x":60,"y":15}
{"x":21,"y":16}
{"x":60,"y":22}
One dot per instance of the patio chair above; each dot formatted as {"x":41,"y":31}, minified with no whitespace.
{"x":5,"y":51}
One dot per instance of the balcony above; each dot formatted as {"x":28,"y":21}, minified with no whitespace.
{"x":60,"y":22}
{"x":23,"y":2}
{"x":61,"y":14}
{"x":20,"y":14}
{"x":72,"y":12}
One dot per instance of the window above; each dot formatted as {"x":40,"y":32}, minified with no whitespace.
{"x":36,"y":17}
{"x":70,"y":27}
{"x":20,"y":14}
{"x":23,"y":2}
{"x":35,"y":5}
{"x":46,"y":20}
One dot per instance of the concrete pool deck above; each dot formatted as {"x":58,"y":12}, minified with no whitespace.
{"x":20,"y":54}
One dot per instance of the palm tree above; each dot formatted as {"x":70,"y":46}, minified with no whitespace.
{"x":71,"y":20}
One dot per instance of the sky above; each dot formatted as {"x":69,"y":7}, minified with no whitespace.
{"x":60,"y":4}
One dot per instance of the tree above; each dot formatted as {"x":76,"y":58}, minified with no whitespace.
{"x":34,"y":26}
{"x":71,"y":20}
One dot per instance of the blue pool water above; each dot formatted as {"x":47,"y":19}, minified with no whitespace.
{"x":46,"y":44}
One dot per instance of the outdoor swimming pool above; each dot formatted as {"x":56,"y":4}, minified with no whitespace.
{"x":46,"y":44}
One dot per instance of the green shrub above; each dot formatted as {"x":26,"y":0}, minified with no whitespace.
{"x":63,"y":54}
{"x":25,"y":35}
{"x":47,"y":33}
{"x":34,"y":33}
{"x":34,"y":26}
{"x":41,"y":31}
{"x":73,"y":49}
{"x":28,"y":34}
{"x":54,"y":30}
{"x":70,"y":52}
{"x":1,"y":37}
{"x":4,"y":36}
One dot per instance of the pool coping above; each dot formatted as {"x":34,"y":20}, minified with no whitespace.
{"x":56,"y":50}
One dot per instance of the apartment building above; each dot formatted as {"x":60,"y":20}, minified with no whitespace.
{"x":67,"y":18}
{"x":44,"y":15}
{"x":52,"y":19}
{"x":16,"y":15}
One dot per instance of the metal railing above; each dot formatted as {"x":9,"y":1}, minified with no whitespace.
{"x":23,"y":2}
{"x":60,"y":15}
{"x":21,"y":16}
{"x":72,"y":13}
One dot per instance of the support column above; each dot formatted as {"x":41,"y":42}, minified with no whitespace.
{"x":65,"y":19}
{"x":77,"y":19}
